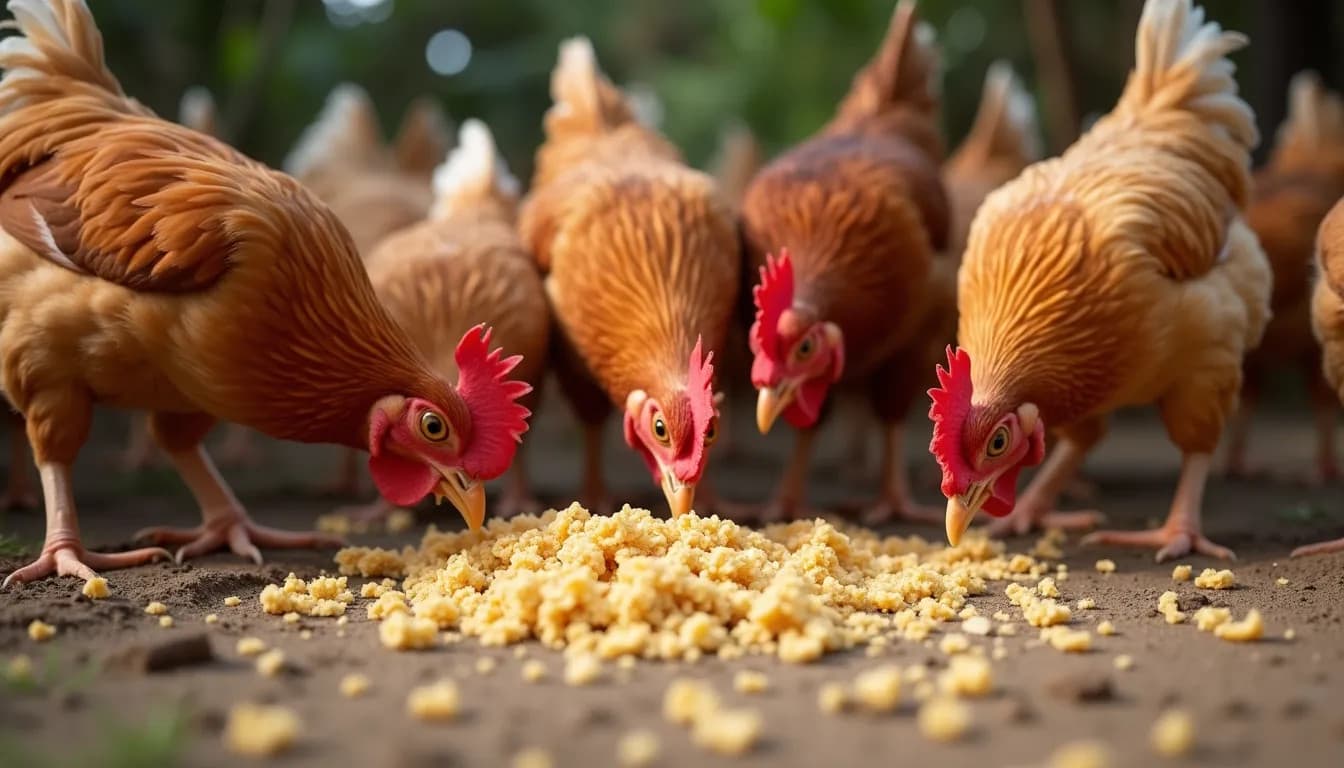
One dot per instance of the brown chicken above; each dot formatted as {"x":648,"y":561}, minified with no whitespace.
{"x":373,"y":189}
{"x":1293,"y":193}
{"x":462,"y":266}
{"x":146,"y":266}
{"x":1327,"y":321}
{"x":642,"y":265}
{"x":1121,"y":273}
{"x":847,"y":229}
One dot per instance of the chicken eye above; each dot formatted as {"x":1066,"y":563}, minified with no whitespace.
{"x":998,"y":443}
{"x":805,"y":348}
{"x":712,"y":433}
{"x":659,"y":428}
{"x":433,"y":427}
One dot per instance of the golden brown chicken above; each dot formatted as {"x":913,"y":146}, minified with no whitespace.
{"x":848,"y":229}
{"x":146,"y":266}
{"x":373,"y":189}
{"x":1121,"y":273}
{"x":462,"y":266}
{"x":642,"y":265}
{"x":1293,"y":193}
{"x":1327,"y":321}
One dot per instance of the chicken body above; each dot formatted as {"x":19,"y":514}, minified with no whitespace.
{"x":642,"y":267}
{"x":462,"y":266}
{"x":1121,"y":273}
{"x":129,"y":245}
{"x":1292,"y":194}
{"x":865,"y":294}
{"x":1327,"y":322}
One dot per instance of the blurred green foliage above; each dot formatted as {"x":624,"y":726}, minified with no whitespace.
{"x":778,"y":65}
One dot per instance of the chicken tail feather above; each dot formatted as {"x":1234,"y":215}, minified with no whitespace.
{"x":473,"y":171}
{"x":585,"y":101}
{"x":906,"y":71}
{"x":1005,"y":124}
{"x":58,"y":53}
{"x":1315,"y":120}
{"x":345,"y":133}
{"x":197,"y":111}
{"x":1181,"y":64}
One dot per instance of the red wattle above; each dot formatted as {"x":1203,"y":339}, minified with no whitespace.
{"x":401,"y":481}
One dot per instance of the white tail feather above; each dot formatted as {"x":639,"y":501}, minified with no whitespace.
{"x":344,"y":132}
{"x":472,"y":170}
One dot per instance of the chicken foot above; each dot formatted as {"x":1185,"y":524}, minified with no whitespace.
{"x":1183,"y":532}
{"x":139,"y":453}
{"x":19,"y":486}
{"x":790,"y":500}
{"x":895,"y":502}
{"x":1320,"y":548}
{"x":224,"y":521}
{"x":516,"y":498}
{"x":63,"y":553}
{"x":1035,"y":507}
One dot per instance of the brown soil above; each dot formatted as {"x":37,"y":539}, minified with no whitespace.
{"x":1255,"y":704}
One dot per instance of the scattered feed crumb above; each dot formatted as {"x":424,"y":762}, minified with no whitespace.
{"x":943,"y":719}
{"x":250,"y":646}
{"x":750,"y":681}
{"x":1290,"y":634}
{"x":19,"y":669}
{"x":96,"y":588}
{"x":1086,"y":604}
{"x":1250,"y":628}
{"x":1081,"y":754}
{"x":402,"y":632}
{"x":1181,"y":573}
{"x":533,"y":757}
{"x":1124,"y":661}
{"x":1173,"y":734}
{"x":533,"y":670}
{"x":342,"y":621}
{"x":1047,"y":588}
{"x":832,"y":698}
{"x":1068,"y":640}
{"x":400,"y":521}
{"x":1105,"y":566}
{"x":212,"y":618}
{"x":485,"y":665}
{"x":233,"y":601}
{"x":999,"y":653}
{"x":260,"y":731}
{"x":166,"y":622}
{"x":1282,"y":582}
{"x":977,"y":625}
{"x":1106,"y":628}
{"x":582,"y":669}
{"x":1209,"y":618}
{"x":436,"y":701}
{"x":325,"y":596}
{"x":370,"y":562}
{"x":355,"y":685}
{"x":305,"y":634}
{"x":637,"y":749}
{"x":1046,"y":613}
{"x":953,"y":644}
{"x":878,"y":690}
{"x":156,"y":608}
{"x":686,"y":699}
{"x":39,"y":631}
{"x":967,"y":676}
{"x":1001,"y":616}
{"x":1168,"y":606}
{"x":1210,"y":578}
{"x":271,"y":663}
{"x":728,"y":731}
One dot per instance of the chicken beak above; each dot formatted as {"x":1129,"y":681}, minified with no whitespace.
{"x":465,"y":494}
{"x":680,"y":496}
{"x":961,"y":511}
{"x":770,"y":403}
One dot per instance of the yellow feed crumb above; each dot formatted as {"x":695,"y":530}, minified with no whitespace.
{"x":1167,"y":605}
{"x":1124,"y":661}
{"x":441,"y":610}
{"x":400,"y":521}
{"x":878,"y":690}
{"x":19,"y":669}
{"x":1002,"y":616}
{"x":582,"y":669}
{"x":686,"y":699}
{"x":260,"y":731}
{"x":271,"y":663}
{"x":943,"y":719}
{"x":305,"y":634}
{"x":369,"y":562}
{"x":1105,"y":628}
{"x":1047,"y":588}
{"x":166,"y":622}
{"x":999,"y":653}
{"x":977,"y":625}
{"x":533,"y":670}
{"x":1250,"y":628}
{"x":39,"y":631}
{"x":1081,"y":754}
{"x":954,"y":644}
{"x":96,"y":588}
{"x":1046,"y":613}
{"x":485,"y":665}
{"x":437,"y":701}
{"x":1181,"y":573}
{"x":1086,"y":604}
{"x":323,"y":596}
{"x":637,"y":749}
{"x":1068,"y":640}
{"x":750,"y":681}
{"x":1282,"y":582}
{"x":1173,"y":734}
{"x":1290,"y":634}
{"x":156,"y":608}
{"x":967,"y":676}
{"x":1105,"y":566}
{"x":355,"y":685}
{"x":250,"y":646}
{"x":233,"y":601}
{"x":291,"y":618}
{"x":342,"y":621}
{"x":533,"y":757}
{"x":832,"y":698}
{"x":402,"y":632}
{"x":728,"y":731}
{"x":212,"y":618}
{"x":1214,"y":579}
{"x":1208,"y":617}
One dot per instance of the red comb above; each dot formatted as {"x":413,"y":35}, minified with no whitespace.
{"x":700,"y":392}
{"x":951,"y":404}
{"x":772,"y":296}
{"x":497,"y":420}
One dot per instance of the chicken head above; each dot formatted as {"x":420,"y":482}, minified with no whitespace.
{"x":451,"y":443}
{"x":673,"y":432}
{"x":796,"y":356}
{"x":981,"y":447}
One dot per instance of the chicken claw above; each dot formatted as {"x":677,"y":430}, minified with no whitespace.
{"x":1171,"y":542}
{"x":898,"y":510}
{"x":70,"y":558}
{"x":239,"y":533}
{"x":1021,"y":522}
{"x":1320,"y":548}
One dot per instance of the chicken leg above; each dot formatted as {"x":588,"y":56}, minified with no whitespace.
{"x":595,"y":496}
{"x":895,"y":501}
{"x":1238,"y":465}
{"x":62,"y":551}
{"x":790,"y":499}
{"x":1325,"y":406}
{"x":19,"y":488}
{"x":1036,"y":506}
{"x":239,"y":448}
{"x":516,"y":498}
{"x":1183,"y":532}
{"x":139,"y":453}
{"x":345,"y":484}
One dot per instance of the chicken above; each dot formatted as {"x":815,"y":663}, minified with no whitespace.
{"x":642,"y":263}
{"x":373,"y":189}
{"x":1327,"y":322}
{"x":1293,"y":193}
{"x":146,"y":266}
{"x":1121,"y":273}
{"x":462,"y":266}
{"x":848,"y":229}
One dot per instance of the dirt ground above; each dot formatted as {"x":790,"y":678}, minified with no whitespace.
{"x":1254,"y":704}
